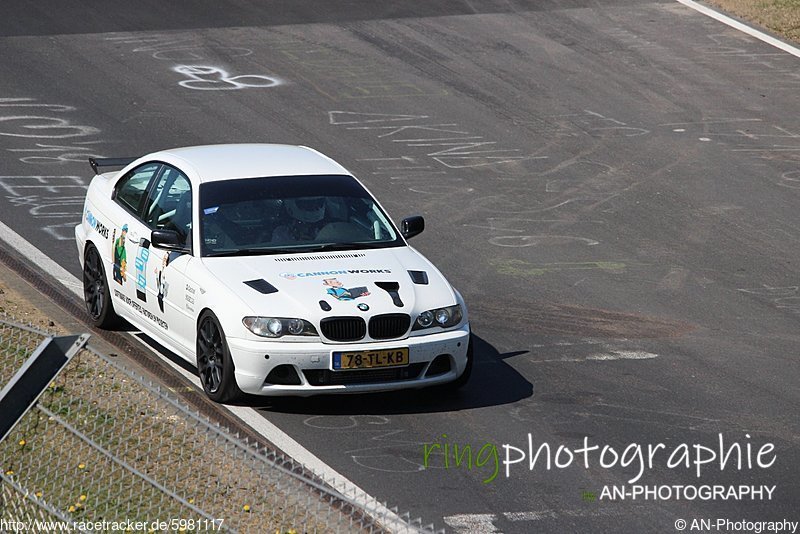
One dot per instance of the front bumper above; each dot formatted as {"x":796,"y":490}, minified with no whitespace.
{"x":312,"y":362}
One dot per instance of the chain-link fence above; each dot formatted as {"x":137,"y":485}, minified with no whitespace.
{"x":104,"y":449}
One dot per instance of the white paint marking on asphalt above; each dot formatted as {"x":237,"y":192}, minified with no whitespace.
{"x":484,"y":523}
{"x":606,"y":357}
{"x":777,"y":43}
{"x":566,"y":344}
{"x":281,"y":439}
{"x":530,"y":516}
{"x":472,"y":523}
{"x":623,"y":355}
{"x":552,"y":514}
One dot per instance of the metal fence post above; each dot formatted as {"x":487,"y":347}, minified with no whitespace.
{"x":30,"y":381}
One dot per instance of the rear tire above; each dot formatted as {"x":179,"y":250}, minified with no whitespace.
{"x":214,"y":362}
{"x":96,"y":294}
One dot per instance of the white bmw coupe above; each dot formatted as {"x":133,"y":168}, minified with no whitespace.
{"x":272,"y":269}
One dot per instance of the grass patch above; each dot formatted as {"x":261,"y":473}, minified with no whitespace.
{"x":781,"y":17}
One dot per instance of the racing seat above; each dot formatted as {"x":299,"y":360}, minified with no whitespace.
{"x":181,"y":222}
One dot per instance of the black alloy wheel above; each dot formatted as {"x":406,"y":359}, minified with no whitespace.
{"x":214,"y":363}
{"x":96,"y":293}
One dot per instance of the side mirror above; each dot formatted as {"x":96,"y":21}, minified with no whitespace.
{"x":169,"y":240}
{"x":411,"y":226}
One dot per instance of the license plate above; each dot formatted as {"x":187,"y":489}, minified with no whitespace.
{"x":367,"y":359}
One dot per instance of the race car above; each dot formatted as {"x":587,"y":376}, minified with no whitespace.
{"x":271,"y":269}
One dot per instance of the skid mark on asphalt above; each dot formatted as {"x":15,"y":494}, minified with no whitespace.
{"x":564,"y":319}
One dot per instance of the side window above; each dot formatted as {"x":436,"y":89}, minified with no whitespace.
{"x":170,"y":203}
{"x":131,"y":189}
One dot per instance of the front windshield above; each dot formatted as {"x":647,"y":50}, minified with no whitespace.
{"x":290,"y":214}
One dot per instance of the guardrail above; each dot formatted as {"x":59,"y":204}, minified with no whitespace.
{"x":103,"y":449}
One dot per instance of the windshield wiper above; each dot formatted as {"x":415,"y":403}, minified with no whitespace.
{"x":330,"y":247}
{"x":304,"y":249}
{"x":250,"y":252}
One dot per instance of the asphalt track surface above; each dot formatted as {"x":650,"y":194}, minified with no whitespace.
{"x":612,"y":185}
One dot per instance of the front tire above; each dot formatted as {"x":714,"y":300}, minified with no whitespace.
{"x":214,"y":362}
{"x":96,"y":294}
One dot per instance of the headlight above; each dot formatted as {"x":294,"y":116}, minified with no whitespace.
{"x":297,"y":326}
{"x":443,"y":317}
{"x":425,"y":319}
{"x":277,"y":327}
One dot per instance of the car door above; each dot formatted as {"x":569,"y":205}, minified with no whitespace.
{"x":129,"y":197}
{"x":169,"y":207}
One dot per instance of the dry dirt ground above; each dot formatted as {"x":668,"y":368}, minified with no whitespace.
{"x":18,"y":308}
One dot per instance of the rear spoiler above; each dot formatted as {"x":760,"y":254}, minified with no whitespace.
{"x":109,"y":162}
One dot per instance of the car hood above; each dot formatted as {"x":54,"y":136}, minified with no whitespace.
{"x":314,"y":286}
